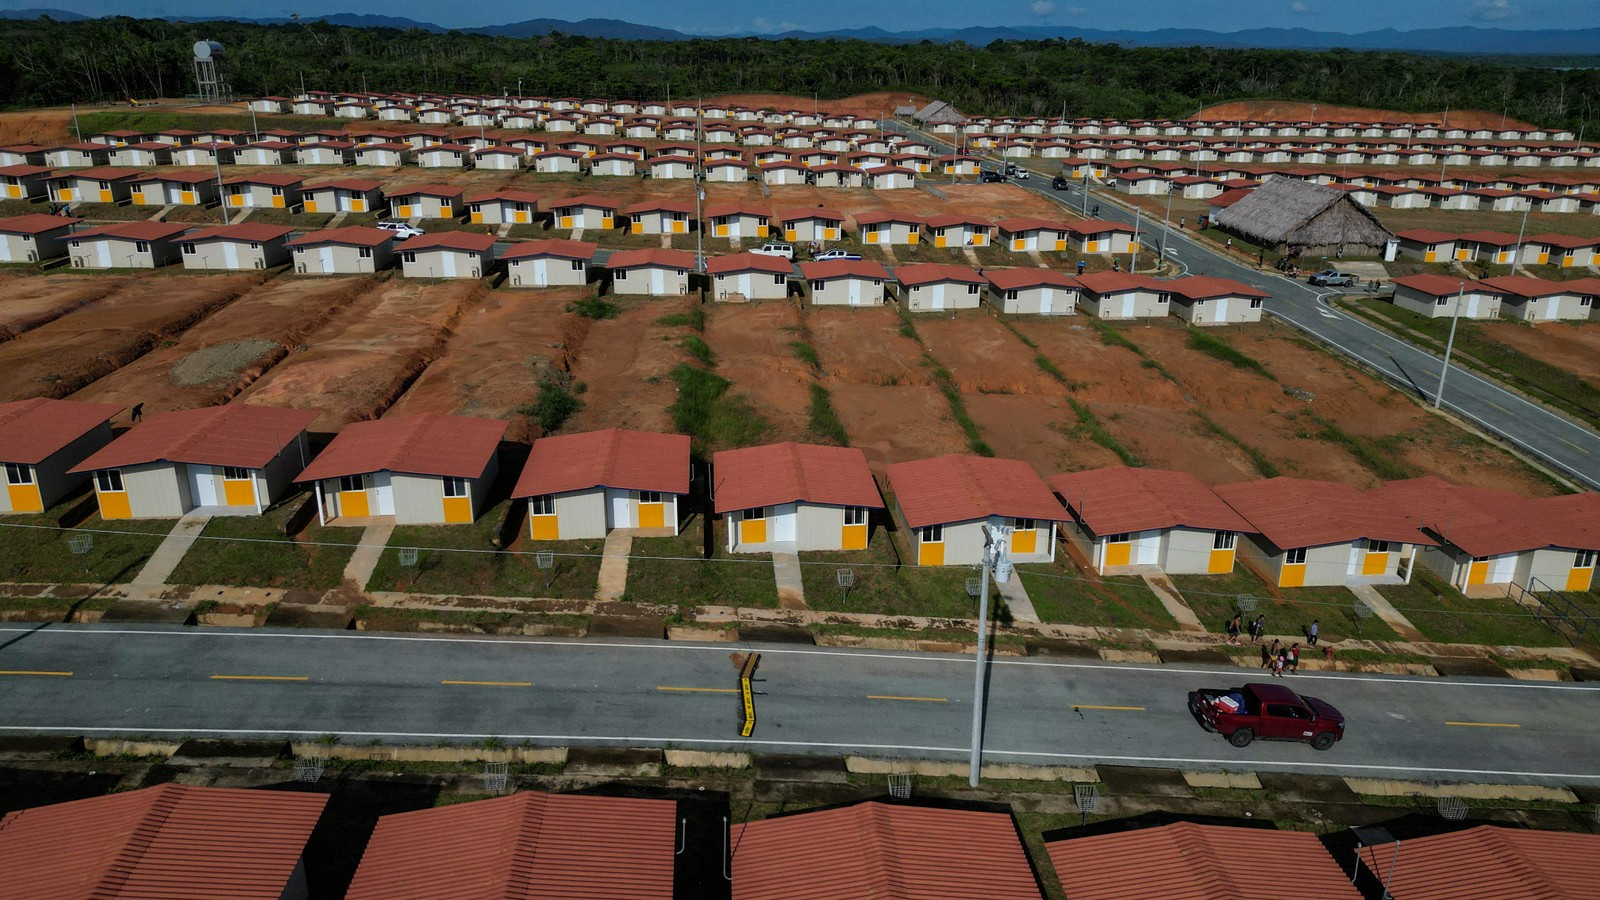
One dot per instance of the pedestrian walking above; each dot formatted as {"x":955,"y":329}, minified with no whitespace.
{"x":138,"y":412}
{"x":1258,"y":629}
{"x":1116,"y":265}
{"x":1311,"y":633}
{"x":1234,"y":625}
{"x":1294,"y":658}
{"x":1277,"y":666}
{"x":1181,"y":221}
{"x":1268,"y":654}
{"x":1228,"y":244}
{"x":1080,"y":267}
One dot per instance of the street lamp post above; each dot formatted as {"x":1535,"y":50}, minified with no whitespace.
{"x":1521,"y":230}
{"x":1449,"y":345}
{"x":994,"y":555}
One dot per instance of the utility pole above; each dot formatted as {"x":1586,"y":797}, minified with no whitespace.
{"x":1449,"y":345}
{"x":222,"y":193}
{"x":1133,"y":259}
{"x":253,"y":126}
{"x":1516,"y":258}
{"x":75,"y":129}
{"x":994,"y":554}
{"x":699,"y":189}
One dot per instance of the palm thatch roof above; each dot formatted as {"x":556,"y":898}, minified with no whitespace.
{"x":939,"y":112}
{"x":1301,"y":214}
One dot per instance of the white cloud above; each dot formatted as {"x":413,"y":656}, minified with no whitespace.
{"x":1492,"y":10}
{"x":1042,"y":7}
{"x":764,"y":25}
{"x":1298,"y":8}
{"x":1076,"y":10}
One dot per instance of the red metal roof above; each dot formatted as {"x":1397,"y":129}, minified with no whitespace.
{"x":1201,"y":287}
{"x":1486,"y":522}
{"x":1526,"y":286}
{"x":789,"y":472}
{"x":234,"y":435}
{"x":36,"y":223}
{"x":426,"y":444}
{"x":528,"y":846}
{"x":878,"y":851}
{"x":614,"y":458}
{"x":356,"y":235}
{"x":135,"y":231}
{"x":1020,"y":224}
{"x":737,"y":207}
{"x":960,"y":488}
{"x":810,"y":212}
{"x":32,"y":430}
{"x":1565,"y":241}
{"x":174,"y":842}
{"x":1099,"y":226}
{"x":876,"y":218}
{"x":1186,"y":861}
{"x":514,"y":196}
{"x":24,"y":170}
{"x":666,"y":259}
{"x":644,"y":206}
{"x":749,"y":262}
{"x":1103,"y":283}
{"x":449,"y":240}
{"x":1118,"y":499}
{"x":594,"y":200}
{"x":248,"y":231}
{"x":1496,"y":238}
{"x":425,"y":190}
{"x":1490,"y":862}
{"x":949,"y":219}
{"x":929,"y":273}
{"x":275,"y":179}
{"x":1297,"y":512}
{"x":551,"y":247}
{"x":346,"y":184}
{"x":840,"y":268}
{"x":1439,"y":285}
{"x":1014,"y":279}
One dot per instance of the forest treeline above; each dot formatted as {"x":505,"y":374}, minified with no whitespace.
{"x":44,"y":62}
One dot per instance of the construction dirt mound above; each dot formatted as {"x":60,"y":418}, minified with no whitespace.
{"x":1297,"y":111}
{"x":219,"y":361}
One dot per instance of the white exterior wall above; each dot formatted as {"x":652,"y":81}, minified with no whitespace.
{"x":1047,"y":300}
{"x":849,"y":290}
{"x":1135,"y":304}
{"x":650,"y":281}
{"x":1474,"y":305}
{"x":942,"y":296}
{"x":119,"y":253}
{"x":22,"y":248}
{"x":753,"y":285}
{"x":1545,"y":309}
{"x":443,"y":262}
{"x":545,"y":271}
{"x":580,"y":515}
{"x":230,"y":255}
{"x":340,"y":259}
{"x":1216,"y":310}
{"x":156,"y":491}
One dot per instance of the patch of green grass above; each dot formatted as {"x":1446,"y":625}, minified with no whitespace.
{"x":908,"y":326}
{"x":1263,"y":466}
{"x":388,"y":618}
{"x":933,"y":591}
{"x":37,"y":553}
{"x":50,"y":609}
{"x":463,"y":561}
{"x":696,"y":347}
{"x":674,"y":570}
{"x":1288,"y":610}
{"x":823,"y":419}
{"x":714,"y":418}
{"x":1212,"y":345}
{"x":1377,"y":458}
{"x":694,"y":318}
{"x":958,"y":411}
{"x":806,"y":354}
{"x":953,"y":635}
{"x":252,"y":551}
{"x":552,"y":406}
{"x":151,"y":121}
{"x":1063,"y":594}
{"x":1089,"y":426}
{"x":594,"y":308}
{"x":1444,"y":614}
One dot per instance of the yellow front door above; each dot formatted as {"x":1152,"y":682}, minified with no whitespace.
{"x":680,"y":226}
{"x":1220,"y":563}
{"x":938,"y":239}
{"x":1544,"y":259}
{"x":114,"y":505}
{"x":752,"y":531}
{"x":870,"y":237}
{"x":353,"y":504}
{"x":853,"y":537}
{"x":458,"y":510}
{"x":235,"y":199}
{"x":1463,"y":255}
{"x":566,"y":221}
{"x":544,"y":528}
{"x":1061,"y":245}
{"x":1478,"y":572}
{"x":1566,"y":261}
{"x":831,"y":234}
{"x":1091,"y":247}
{"x":913,"y":238}
{"x":789,"y":234}
{"x":1119,"y":553}
{"x":311,"y":205}
{"x":1374,"y":563}
{"x":1025,"y":540}
{"x":1019,"y":244}
{"x":930,"y":554}
{"x":239,"y":493}
{"x":25,"y":498}
{"x":358,"y":205}
{"x":652,"y":515}
{"x":188,"y":198}
{"x":64,"y":195}
{"x":1292,"y":575}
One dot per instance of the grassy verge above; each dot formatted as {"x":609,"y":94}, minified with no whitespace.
{"x":1089,"y":426}
{"x":252,"y":551}
{"x":461,"y":560}
{"x":554,"y":404}
{"x":1443,"y":614}
{"x":384,"y":618}
{"x":50,"y":609}
{"x":1379,"y":456}
{"x":958,"y":410}
{"x":674,"y":571}
{"x":953,"y":635}
{"x":695,"y":318}
{"x":823,"y":419}
{"x":879,"y":588}
{"x":1063,"y":594}
{"x":1218,"y":347}
{"x":1288,"y":610}
{"x":1265,"y":467}
{"x":713,"y":417}
{"x":695,"y":346}
{"x":38,"y":554}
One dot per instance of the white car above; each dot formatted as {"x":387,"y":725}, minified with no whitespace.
{"x":401,"y":229}
{"x":784,"y":250}
{"x":835,"y":253}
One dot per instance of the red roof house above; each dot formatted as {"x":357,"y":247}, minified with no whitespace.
{"x":948,"y":502}
{"x":814,"y":496}
{"x":41,"y":441}
{"x":1125,"y":516}
{"x":1489,"y":862}
{"x":584,"y":485}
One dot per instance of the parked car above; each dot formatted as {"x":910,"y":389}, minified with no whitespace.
{"x":401,"y":229}
{"x":1060,"y":183}
{"x":1333,"y":278}
{"x":776,"y":249}
{"x":835,"y":253}
{"x":1271,"y":712}
{"x":989,"y":176}
{"x":1015,"y":171}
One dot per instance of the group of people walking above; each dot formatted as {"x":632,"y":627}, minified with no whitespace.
{"x":1275,"y":657}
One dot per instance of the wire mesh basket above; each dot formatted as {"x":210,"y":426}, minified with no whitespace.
{"x":1452,"y":808}
{"x":80,"y":544}
{"x":1087,"y":797}
{"x":974,"y":587}
{"x":496,"y":777}
{"x":900,"y":785}
{"x":1246,"y":603}
{"x":309,"y":769}
{"x":544,"y":559}
{"x":408,"y":556}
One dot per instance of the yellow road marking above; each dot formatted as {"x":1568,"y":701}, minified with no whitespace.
{"x":697,"y":690}
{"x":916,"y":699}
{"x":1485,"y":724}
{"x":261,"y":677}
{"x":26,"y":672}
{"x":493,"y":683}
{"x":1122,"y":708}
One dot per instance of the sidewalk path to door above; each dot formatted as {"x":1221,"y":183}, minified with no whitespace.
{"x":614,"y":565}
{"x":786,"y":572}
{"x":374,"y":540}
{"x":162,"y":563}
{"x":1386,"y":611}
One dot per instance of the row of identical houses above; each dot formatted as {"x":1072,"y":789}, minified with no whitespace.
{"x":438,"y":469}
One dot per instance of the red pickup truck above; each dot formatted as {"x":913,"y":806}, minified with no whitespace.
{"x":1270,"y":712}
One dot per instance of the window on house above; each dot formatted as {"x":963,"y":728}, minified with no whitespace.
{"x":140,"y":247}
{"x":1011,"y":295}
{"x":109,"y":481}
{"x":364,"y":252}
{"x":855,"y":515}
{"x":1377,"y":546}
{"x":1583,"y":559}
{"x":455,"y":486}
{"x":1024,"y":524}
{"x":1223,"y":540}
{"x":972,"y":288}
{"x":17,"y":473}
{"x":779,"y":279}
{"x":1295,"y":557}
{"x":818,"y":285}
{"x":234,"y":473}
{"x":1440,"y":301}
{"x":650,"y":497}
{"x":1118,"y":538}
{"x":188,"y":248}
{"x":542,"y":505}
{"x":352,"y":483}
{"x":410,"y":256}
{"x":759,"y":512}
{"x":622,"y":275}
{"x":932,"y":534}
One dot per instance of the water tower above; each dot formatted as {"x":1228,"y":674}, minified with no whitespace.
{"x":208,"y":57}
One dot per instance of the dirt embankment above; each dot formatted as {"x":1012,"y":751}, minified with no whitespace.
{"x":876,"y":104}
{"x":32,"y":301}
{"x":625,"y":365}
{"x":1296,"y":111}
{"x":752,"y":343}
{"x":35,"y":126}
{"x":363,"y":359}
{"x":60,"y":358}
{"x":227,"y":352}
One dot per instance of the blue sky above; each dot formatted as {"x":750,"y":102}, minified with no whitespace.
{"x":723,"y":16}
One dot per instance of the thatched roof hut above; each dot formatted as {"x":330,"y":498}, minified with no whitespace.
{"x":939,"y":112}
{"x":1288,"y":214}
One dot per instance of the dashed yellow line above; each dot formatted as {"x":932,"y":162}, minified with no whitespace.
{"x":29,"y":672}
{"x":492,"y":683}
{"x":1485,"y":724}
{"x":261,"y":677}
{"x":1116,"y":708}
{"x":697,"y":690}
{"x":911,"y":699}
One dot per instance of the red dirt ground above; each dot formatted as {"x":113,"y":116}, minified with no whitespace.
{"x":897,"y":423}
{"x":1037,"y":428}
{"x":881,"y":103}
{"x":281,"y":314}
{"x":983,"y":356}
{"x":751,"y":343}
{"x":35,"y":126}
{"x":498,"y":352}
{"x":1295,"y":111}
{"x":1575,"y":348}
{"x":355,"y":366}
{"x":32,"y":302}
{"x":60,"y":358}
{"x":863,"y":347}
{"x":625,"y":364}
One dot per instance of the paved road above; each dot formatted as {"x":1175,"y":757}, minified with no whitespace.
{"x":1558,"y":441}
{"x":126,"y":680}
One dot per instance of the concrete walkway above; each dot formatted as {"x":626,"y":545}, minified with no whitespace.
{"x":162,"y":563}
{"x":786,"y":572}
{"x":374,"y":540}
{"x":337,"y":220}
{"x":971,"y":255}
{"x":1167,"y":592}
{"x":1017,"y":598}
{"x":1386,"y":611}
{"x":160,"y":215}
{"x":614,"y":565}
{"x":504,"y":231}
{"x":577,"y":234}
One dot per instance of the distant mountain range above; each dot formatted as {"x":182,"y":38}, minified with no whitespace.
{"x":1460,"y":39}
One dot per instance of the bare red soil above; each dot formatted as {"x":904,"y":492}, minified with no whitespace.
{"x":1296,"y":111}
{"x":625,"y":365}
